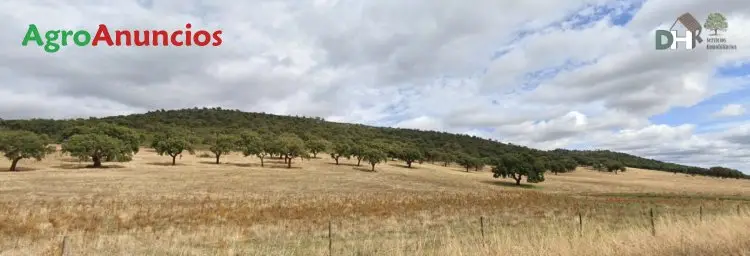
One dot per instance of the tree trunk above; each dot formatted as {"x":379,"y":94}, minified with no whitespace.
{"x":174,"y":159}
{"x":408,"y":164}
{"x":13,"y":164}
{"x":261,"y":161}
{"x":518,"y":179}
{"x":217,"y":158}
{"x":289,"y":163}
{"x":97,"y":161}
{"x":359,"y":160}
{"x":373,"y":166}
{"x":445,"y":164}
{"x":337,"y":160}
{"x":467,"y":169}
{"x":716,"y":32}
{"x":315,"y":154}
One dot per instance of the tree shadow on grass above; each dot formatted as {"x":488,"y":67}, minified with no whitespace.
{"x":365,"y":169}
{"x":343,"y":164}
{"x":266,"y":164}
{"x":283,"y":167}
{"x":19,"y":169}
{"x":403,"y":166}
{"x":165,"y":164}
{"x":273,"y":161}
{"x":87,"y":166}
{"x":250,"y":164}
{"x":511,"y":184}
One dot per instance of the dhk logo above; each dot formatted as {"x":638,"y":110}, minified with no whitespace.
{"x":668,"y":39}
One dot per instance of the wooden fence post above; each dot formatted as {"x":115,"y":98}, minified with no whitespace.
{"x":580,"y":224}
{"x":481,"y":225}
{"x":64,"y":247}
{"x":330,"y":240}
{"x":653,"y":227}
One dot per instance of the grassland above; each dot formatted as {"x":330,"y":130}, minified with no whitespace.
{"x":147,"y":207}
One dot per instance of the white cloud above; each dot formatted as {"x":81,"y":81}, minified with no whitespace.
{"x":682,"y":144}
{"x":421,"y":123}
{"x":730,"y":110}
{"x":417,"y":64}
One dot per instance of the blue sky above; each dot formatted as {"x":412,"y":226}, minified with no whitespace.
{"x":701,"y":114}
{"x":617,"y":16}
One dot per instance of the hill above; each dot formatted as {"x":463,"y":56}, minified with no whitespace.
{"x":206,"y":121}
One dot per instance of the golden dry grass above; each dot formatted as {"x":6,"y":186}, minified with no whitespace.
{"x":146,"y":207}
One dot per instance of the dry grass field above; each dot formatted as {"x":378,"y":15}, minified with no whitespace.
{"x":148,"y":207}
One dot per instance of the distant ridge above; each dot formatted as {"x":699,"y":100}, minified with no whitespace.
{"x":209,"y":120}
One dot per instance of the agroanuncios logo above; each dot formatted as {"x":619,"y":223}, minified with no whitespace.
{"x":54,"y":40}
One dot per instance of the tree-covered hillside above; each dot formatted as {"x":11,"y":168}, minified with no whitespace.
{"x":210,"y":121}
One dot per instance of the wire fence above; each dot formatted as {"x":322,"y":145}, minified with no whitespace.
{"x":481,"y":227}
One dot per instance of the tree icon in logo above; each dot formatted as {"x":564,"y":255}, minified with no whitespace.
{"x":716,"y":22}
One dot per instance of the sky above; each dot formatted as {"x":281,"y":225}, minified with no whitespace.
{"x":577,"y":74}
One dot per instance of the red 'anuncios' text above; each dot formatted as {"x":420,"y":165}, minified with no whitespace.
{"x":156,"y":37}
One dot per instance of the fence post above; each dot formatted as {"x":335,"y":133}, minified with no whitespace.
{"x":330,"y":241}
{"x":653,"y":227}
{"x":481,"y":225}
{"x":580,"y":224}
{"x":64,"y":247}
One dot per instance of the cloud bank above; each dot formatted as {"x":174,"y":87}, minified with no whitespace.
{"x":573,"y":74}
